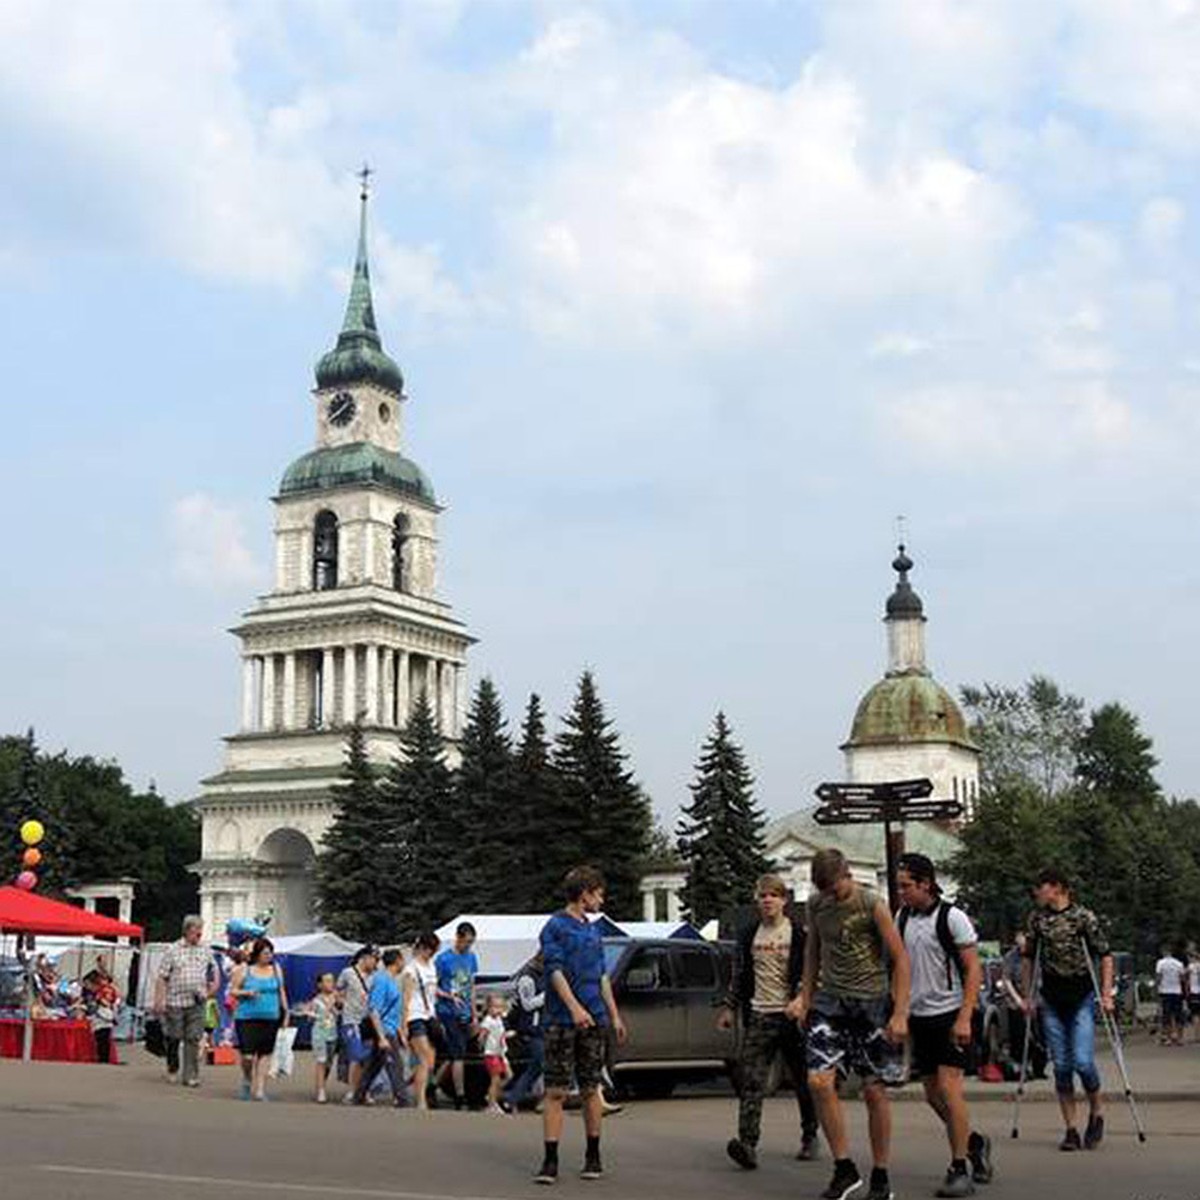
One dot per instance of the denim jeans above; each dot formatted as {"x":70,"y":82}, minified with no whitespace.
{"x":1071,"y":1040}
{"x":518,"y":1091}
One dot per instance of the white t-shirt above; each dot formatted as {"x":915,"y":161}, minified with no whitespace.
{"x":494,"y":1040}
{"x":1194,"y":980}
{"x":1169,"y":973}
{"x":931,"y":997}
{"x":424,"y":989}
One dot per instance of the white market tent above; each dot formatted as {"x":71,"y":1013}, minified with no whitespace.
{"x":506,"y":942}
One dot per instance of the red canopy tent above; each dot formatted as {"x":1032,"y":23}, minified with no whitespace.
{"x":23,"y":912}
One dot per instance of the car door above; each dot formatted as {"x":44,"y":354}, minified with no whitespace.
{"x":652,"y":1007}
{"x":697,"y":968}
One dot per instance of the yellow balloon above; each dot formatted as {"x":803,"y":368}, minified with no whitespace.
{"x":32,"y":832}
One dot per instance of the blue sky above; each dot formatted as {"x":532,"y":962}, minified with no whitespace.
{"x":692,"y":300}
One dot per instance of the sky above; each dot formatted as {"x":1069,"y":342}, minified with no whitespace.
{"x":693,"y":299}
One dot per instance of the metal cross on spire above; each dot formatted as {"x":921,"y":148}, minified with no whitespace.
{"x":364,"y":179}
{"x":900,"y":538}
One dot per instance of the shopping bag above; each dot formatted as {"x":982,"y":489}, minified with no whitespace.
{"x":155,"y":1042}
{"x":284,"y":1057}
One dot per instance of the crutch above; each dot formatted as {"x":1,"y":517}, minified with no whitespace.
{"x":1113,"y":1030}
{"x":1029,"y":1018}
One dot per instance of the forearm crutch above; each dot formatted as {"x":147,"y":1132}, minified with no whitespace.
{"x":1113,"y":1030}
{"x":1031,"y":1009}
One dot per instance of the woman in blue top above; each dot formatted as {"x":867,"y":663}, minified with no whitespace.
{"x":262,"y":1008}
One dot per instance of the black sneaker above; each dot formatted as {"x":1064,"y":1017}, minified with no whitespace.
{"x":810,"y":1148}
{"x":592,"y":1168}
{"x":742,"y":1154}
{"x":881,"y":1186}
{"x":1093,"y":1135}
{"x":1071,"y":1140}
{"x":957,"y":1183}
{"x":548,"y":1173}
{"x":979,"y":1151}
{"x":845,"y":1182}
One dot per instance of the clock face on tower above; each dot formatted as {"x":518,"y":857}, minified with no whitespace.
{"x":341,"y":409}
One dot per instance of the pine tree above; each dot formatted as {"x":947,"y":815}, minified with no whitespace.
{"x":353,"y":895}
{"x":421,"y":836}
{"x":483,"y":793}
{"x":535,"y":821}
{"x":721,"y":833}
{"x":606,"y":816}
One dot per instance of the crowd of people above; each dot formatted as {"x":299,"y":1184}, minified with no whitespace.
{"x":839,"y":987}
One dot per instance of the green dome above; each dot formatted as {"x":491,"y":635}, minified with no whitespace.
{"x":908,"y":708}
{"x":354,"y":465}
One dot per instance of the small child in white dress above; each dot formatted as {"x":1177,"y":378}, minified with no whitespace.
{"x":495,"y":1049}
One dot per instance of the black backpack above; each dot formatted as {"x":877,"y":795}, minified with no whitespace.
{"x":944,"y":936}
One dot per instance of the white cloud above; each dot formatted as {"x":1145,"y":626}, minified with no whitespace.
{"x":899,"y":345}
{"x":1160,"y":223}
{"x":208,"y":544}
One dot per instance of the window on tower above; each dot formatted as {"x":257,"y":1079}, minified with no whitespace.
{"x":325,"y":551}
{"x":399,"y":538}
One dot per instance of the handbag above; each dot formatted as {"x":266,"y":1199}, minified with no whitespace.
{"x":155,"y":1042}
{"x":366,"y":1027}
{"x":433,"y":1024}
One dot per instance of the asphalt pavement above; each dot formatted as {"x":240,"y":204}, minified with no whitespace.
{"x":124,"y":1133}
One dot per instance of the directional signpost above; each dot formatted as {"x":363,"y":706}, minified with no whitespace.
{"x":885,"y":804}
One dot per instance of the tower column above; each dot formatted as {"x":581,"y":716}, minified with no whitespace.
{"x":371,"y":699}
{"x":325,"y":708}
{"x":289,"y":691}
{"x":268,"y":692}
{"x":403,"y":700}
{"x":349,"y":685}
{"x":460,"y":698}
{"x":368,"y":543}
{"x":247,"y":693}
{"x":387,"y":685}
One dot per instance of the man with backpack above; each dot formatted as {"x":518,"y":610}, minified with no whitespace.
{"x":946,"y":977}
{"x":526,"y":1022}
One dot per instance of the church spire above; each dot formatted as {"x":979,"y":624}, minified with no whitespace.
{"x":905,"y":620}
{"x":358,"y":356}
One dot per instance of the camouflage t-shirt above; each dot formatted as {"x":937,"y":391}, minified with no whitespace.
{"x":1062,"y":936}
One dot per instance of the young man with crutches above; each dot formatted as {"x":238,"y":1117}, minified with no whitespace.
{"x":946,"y":975}
{"x":1062,"y":937}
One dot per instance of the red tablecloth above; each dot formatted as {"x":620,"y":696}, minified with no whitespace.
{"x":53,"y":1041}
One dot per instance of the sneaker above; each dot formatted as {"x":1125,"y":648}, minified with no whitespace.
{"x":742,"y":1154}
{"x":810,"y":1148}
{"x":1093,"y":1135}
{"x":845,"y":1182}
{"x":979,"y":1151}
{"x":1070,"y":1140}
{"x":881,"y":1186}
{"x":548,"y":1173}
{"x":592,"y":1168}
{"x":244,"y":1090}
{"x":956,"y":1183}
{"x":191,"y":1083}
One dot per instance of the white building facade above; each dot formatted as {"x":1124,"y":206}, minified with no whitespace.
{"x":353,"y":628}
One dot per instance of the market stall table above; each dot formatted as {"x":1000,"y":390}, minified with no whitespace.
{"x":53,"y":1041}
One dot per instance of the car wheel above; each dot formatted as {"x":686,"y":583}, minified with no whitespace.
{"x":650,"y":1085}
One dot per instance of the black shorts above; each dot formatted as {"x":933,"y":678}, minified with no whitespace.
{"x":933,"y":1044}
{"x":257,"y":1036}
{"x":575,"y":1055}
{"x":1172,"y":1007}
{"x":458,"y":1038}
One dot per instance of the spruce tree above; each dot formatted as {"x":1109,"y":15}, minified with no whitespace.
{"x":606,"y":816}
{"x":535,"y":821}
{"x":483,"y":794}
{"x":421,"y":844}
{"x":352,"y":893}
{"x":721,"y":833}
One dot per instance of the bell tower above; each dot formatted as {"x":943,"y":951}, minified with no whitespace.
{"x":353,"y":628}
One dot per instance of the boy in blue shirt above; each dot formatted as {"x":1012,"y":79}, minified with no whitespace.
{"x":579,"y":1009}
{"x":383,"y":1017}
{"x":457,"y":967}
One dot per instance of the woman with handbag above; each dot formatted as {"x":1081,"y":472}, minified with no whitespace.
{"x":262,"y":1010}
{"x":419,"y":980}
{"x":354,"y":988}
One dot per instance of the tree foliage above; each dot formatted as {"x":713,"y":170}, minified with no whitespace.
{"x":536,"y":820}
{"x":721,"y":833}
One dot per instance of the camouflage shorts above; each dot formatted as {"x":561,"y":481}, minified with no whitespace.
{"x":847,"y":1035}
{"x":575,"y":1056}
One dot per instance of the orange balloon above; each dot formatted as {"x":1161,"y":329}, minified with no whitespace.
{"x":31,"y":857}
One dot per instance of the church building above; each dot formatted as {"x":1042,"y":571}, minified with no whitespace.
{"x":353,"y":628}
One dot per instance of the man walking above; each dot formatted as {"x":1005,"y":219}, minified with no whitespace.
{"x":852,"y":1024}
{"x":457,"y":967}
{"x":767,"y":972}
{"x":187,"y":977}
{"x":1062,"y":935}
{"x":579,"y":1006}
{"x":1170,"y":976}
{"x":383,"y":1013}
{"x":530,"y":1001}
{"x":946,"y":977}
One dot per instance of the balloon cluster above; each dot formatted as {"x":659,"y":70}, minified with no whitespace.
{"x":32,"y":832}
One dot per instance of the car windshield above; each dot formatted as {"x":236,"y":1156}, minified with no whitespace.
{"x":612,"y":955}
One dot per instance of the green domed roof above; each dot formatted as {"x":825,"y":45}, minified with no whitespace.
{"x":354,"y":465}
{"x":908,"y":708}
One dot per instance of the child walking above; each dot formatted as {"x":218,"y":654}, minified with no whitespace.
{"x":495,"y":1050}
{"x":324,"y":1031}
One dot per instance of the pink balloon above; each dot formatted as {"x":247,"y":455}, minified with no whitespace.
{"x":27,"y":881}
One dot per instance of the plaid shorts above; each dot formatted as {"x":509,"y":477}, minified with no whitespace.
{"x":847,"y":1035}
{"x":575,"y":1055}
